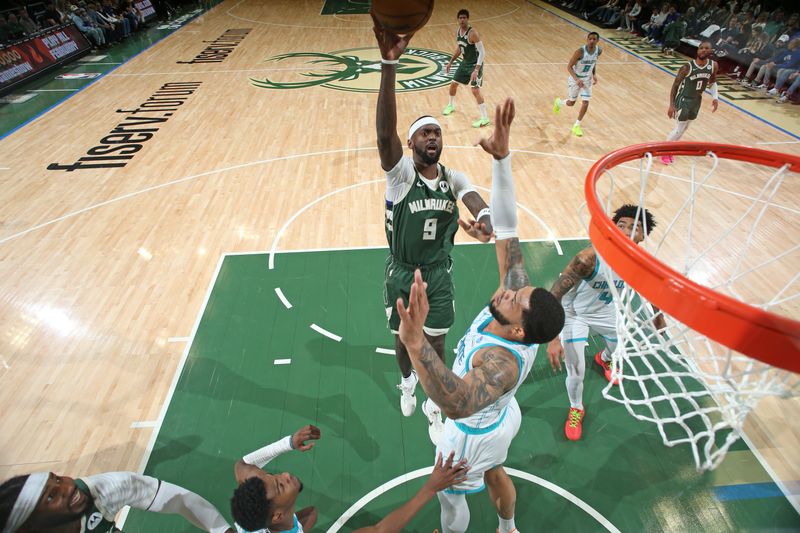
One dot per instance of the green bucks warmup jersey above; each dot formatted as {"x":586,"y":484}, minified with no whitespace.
{"x":469,"y":51}
{"x":693,"y":85}
{"x":421,"y":226}
{"x":92,"y":520}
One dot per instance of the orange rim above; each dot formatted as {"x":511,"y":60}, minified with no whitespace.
{"x":771,"y":338}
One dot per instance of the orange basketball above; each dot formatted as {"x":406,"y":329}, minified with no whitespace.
{"x":402,"y":16}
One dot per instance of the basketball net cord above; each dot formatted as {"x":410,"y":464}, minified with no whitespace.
{"x":697,"y":391}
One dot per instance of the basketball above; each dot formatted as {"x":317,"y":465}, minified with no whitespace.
{"x":402,"y":16}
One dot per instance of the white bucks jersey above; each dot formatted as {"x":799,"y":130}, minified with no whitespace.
{"x":489,"y":417}
{"x":592,"y":298}
{"x":585,"y":65}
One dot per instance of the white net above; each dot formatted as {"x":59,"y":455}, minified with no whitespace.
{"x":733,"y":227}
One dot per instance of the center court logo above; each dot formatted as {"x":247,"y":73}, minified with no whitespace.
{"x":357,"y":70}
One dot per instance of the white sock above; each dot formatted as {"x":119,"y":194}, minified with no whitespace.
{"x":410,"y":381}
{"x":506,"y":526}
{"x":680,"y":129}
{"x":482,"y":107}
{"x":577,"y":123}
{"x":605,"y":357}
{"x":453,"y":101}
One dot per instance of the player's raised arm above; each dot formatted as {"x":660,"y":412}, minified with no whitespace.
{"x":251,"y":464}
{"x":510,"y":262}
{"x":673,"y":92}
{"x":457,"y":397}
{"x":392,"y":47}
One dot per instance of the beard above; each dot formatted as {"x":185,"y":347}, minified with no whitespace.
{"x":497,"y":315}
{"x":425,"y":157}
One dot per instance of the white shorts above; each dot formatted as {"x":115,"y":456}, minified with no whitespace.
{"x":576,"y":330}
{"x":483,"y":449}
{"x":585,"y":92}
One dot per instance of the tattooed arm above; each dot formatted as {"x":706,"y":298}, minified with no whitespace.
{"x":580,"y":267}
{"x":495,"y":369}
{"x":476,"y":205}
{"x":511,"y":264}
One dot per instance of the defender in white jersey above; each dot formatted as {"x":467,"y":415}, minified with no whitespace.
{"x":265,"y":503}
{"x":45,"y":501}
{"x":494,"y":357}
{"x":584,"y":292}
{"x":582,"y":70}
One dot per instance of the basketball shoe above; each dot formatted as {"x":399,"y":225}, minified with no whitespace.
{"x":557,"y":106}
{"x":449,"y":109}
{"x":577,"y":131}
{"x":572,"y":429}
{"x":481,"y":122}
{"x":435,"y":424}
{"x":408,"y":398}
{"x":667,"y":159}
{"x":606,"y":366}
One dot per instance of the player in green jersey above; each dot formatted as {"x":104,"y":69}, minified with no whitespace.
{"x":421,"y":216}
{"x":47,"y":502}
{"x":687,"y":92}
{"x":470,"y":71}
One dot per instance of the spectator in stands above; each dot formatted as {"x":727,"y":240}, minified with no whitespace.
{"x":792,"y":27}
{"x":29,"y":25}
{"x":113,"y":30}
{"x":657,"y":20}
{"x":52,"y":16}
{"x":783,"y":54}
{"x":756,"y":47}
{"x":108,"y":10}
{"x":792,"y":94}
{"x":786,"y":68}
{"x":616,"y":15}
{"x":15,"y":29}
{"x":95,"y":35}
{"x":774,"y":23}
{"x":630,"y":17}
{"x":4,"y":32}
{"x":673,"y":33}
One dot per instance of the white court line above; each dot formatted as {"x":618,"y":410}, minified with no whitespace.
{"x":53,"y":90}
{"x":325,"y":332}
{"x":177,"y":339}
{"x":282,"y":361}
{"x":144,"y":424}
{"x":399,"y":480}
{"x":178,"y":370}
{"x":780,"y":142}
{"x":283,"y":299}
{"x":385,"y":351}
{"x":328,"y":152}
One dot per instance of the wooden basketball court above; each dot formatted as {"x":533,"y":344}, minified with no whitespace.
{"x":119,"y":204}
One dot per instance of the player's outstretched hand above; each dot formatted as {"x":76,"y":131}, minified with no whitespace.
{"x":476,"y":230}
{"x":412,"y":318}
{"x":555,"y":353}
{"x":303,"y":434}
{"x":447,"y":474}
{"x":497,"y":144}
{"x":390,"y":44}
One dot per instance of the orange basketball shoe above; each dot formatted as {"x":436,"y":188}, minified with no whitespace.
{"x":572,"y":429}
{"x":606,"y":365}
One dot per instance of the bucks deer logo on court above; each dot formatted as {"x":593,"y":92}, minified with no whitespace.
{"x":357,"y":70}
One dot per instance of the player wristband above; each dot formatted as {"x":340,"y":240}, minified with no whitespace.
{"x":483,"y":212}
{"x":390,"y":61}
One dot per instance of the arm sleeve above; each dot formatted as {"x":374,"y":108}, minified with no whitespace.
{"x":172,"y":499}
{"x":114,"y":490}
{"x":399,"y":179}
{"x":481,"y":52}
{"x":504,"y":200}
{"x":460,"y":184}
{"x":264,"y":455}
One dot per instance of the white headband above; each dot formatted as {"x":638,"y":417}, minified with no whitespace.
{"x":26,"y":501}
{"x":424,"y":121}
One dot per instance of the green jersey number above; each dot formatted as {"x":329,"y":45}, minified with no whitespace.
{"x":586,"y":68}
{"x":429,"y":229}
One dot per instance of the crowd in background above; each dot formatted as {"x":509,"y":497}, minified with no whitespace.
{"x":754,"y":42}
{"x":103,"y":22}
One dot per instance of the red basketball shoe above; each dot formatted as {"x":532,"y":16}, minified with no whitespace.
{"x":606,"y":365}
{"x":572,"y":428}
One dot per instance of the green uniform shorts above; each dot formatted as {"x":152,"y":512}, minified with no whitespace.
{"x":397,"y":281}
{"x":686,"y":109}
{"x":464,"y":73}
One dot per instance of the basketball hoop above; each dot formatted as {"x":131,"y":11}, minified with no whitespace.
{"x":722,"y":351}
